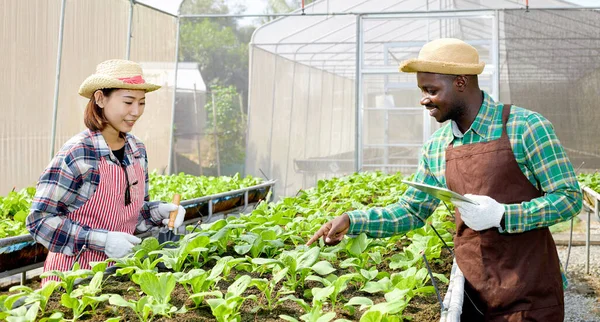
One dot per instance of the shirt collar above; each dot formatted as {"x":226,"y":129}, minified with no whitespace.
{"x":101,"y":146}
{"x":483,"y":121}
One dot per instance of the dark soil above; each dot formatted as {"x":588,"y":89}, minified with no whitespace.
{"x":421,"y":308}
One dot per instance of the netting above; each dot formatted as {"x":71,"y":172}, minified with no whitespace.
{"x":303,"y":76}
{"x":284,"y":101}
{"x":553,"y":65}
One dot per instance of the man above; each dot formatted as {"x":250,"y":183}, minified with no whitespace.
{"x":510,"y":161}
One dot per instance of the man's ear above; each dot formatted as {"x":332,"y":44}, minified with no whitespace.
{"x":461,"y":82}
{"x":99,"y":98}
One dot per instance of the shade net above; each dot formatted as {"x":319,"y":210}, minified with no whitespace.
{"x":553,"y":64}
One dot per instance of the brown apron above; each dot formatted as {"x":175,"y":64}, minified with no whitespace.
{"x":509,"y":277}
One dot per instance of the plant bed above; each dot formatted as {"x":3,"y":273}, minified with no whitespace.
{"x":256,"y":266}
{"x":14,"y":208}
{"x":422,"y":308}
{"x":590,"y":184}
{"x":21,"y":255}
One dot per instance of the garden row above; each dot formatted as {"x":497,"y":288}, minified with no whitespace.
{"x":256,"y":267}
{"x":14,"y":207}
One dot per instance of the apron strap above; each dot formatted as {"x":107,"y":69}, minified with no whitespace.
{"x":505,"y":115}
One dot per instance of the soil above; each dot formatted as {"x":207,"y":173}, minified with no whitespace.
{"x":421,"y":308}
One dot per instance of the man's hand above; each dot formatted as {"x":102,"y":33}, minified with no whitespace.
{"x":487,"y":214}
{"x":332,"y":232}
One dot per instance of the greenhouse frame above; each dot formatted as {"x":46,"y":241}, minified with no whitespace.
{"x":325,"y":96}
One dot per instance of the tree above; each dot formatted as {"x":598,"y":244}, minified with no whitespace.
{"x":218,"y":45}
{"x":229,"y":124}
{"x":283,"y":6}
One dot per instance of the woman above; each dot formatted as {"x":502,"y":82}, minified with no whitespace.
{"x":94,"y":194}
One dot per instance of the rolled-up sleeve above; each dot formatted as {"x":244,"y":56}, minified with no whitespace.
{"x":60,"y":190}
{"x":551,"y":167}
{"x":407,"y":214}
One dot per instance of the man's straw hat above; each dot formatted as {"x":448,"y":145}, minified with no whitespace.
{"x":445,"y":56}
{"x":116,"y":73}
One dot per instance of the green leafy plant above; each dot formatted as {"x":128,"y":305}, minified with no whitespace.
{"x":22,"y":313}
{"x":14,"y":209}
{"x":41,"y":295}
{"x":85,"y":298}
{"x":314,"y":312}
{"x":226,"y":307}
{"x":68,"y":278}
{"x":163,"y":187}
{"x":591,"y":180}
{"x":337,"y":284}
{"x":299,"y":265}
{"x":159,"y":288}
{"x":175,"y":258}
{"x":268,"y":288}
{"x":142,"y":307}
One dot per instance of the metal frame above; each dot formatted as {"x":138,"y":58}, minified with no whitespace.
{"x":361,"y":70}
{"x":27,"y":238}
{"x":172,"y":154}
{"x":592,"y":205}
{"x":61,"y":30}
{"x":329,"y":55}
{"x":427,"y":14}
{"x":356,"y":70}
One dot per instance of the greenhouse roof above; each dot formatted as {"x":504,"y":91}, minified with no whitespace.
{"x":329,"y":41}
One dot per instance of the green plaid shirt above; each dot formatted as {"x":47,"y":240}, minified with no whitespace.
{"x":537,"y":150}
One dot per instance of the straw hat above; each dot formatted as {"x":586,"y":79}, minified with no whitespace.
{"x":116,"y":73}
{"x":445,"y":56}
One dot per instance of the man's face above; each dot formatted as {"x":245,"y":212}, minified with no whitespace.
{"x":439,"y":96}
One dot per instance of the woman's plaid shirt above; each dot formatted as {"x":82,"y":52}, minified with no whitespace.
{"x":69,"y":181}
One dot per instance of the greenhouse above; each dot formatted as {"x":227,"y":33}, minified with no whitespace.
{"x":274,"y":118}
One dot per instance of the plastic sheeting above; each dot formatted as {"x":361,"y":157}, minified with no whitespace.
{"x":542,"y":59}
{"x":94,"y":31}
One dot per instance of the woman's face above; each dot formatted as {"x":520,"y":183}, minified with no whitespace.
{"x":122,"y":108}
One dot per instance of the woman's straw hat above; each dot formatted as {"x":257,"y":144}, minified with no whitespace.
{"x":116,"y":73}
{"x":445,"y":56}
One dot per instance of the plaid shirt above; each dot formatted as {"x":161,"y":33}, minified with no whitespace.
{"x":69,"y":181}
{"x":537,"y":150}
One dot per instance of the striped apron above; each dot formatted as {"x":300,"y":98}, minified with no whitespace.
{"x":104,"y":210}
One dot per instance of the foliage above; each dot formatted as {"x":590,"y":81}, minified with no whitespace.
{"x":592,"y":180}
{"x":261,"y":256}
{"x":218,"y":45}
{"x":229,"y":124}
{"x":163,"y":187}
{"x":282,"y":6}
{"x":14,"y":209}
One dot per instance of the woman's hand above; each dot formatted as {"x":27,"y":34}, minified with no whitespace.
{"x":164,"y":210}
{"x":116,"y":244}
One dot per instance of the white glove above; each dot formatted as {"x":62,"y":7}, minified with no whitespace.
{"x":164,"y":209}
{"x":117,"y":244}
{"x":487,"y":214}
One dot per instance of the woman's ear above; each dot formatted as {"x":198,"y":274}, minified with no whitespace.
{"x":99,"y":98}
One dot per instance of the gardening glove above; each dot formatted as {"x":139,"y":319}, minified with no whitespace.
{"x":164,"y":209}
{"x":116,"y":244}
{"x":486,"y":215}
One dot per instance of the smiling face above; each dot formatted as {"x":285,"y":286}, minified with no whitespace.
{"x":121,"y":109}
{"x":440,"y":96}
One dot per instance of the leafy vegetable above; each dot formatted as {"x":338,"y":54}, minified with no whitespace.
{"x":163,"y":187}
{"x":14,"y":209}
